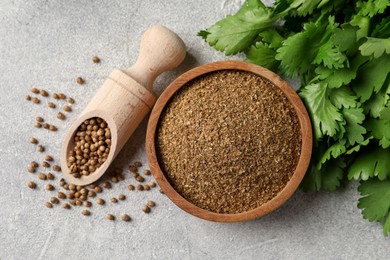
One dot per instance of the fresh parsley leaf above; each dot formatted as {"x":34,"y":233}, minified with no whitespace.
{"x":326,"y":118}
{"x":382,"y":30}
{"x":373,"y":162}
{"x":377,"y":102}
{"x":333,"y":173}
{"x":261,"y":54}
{"x":380,"y":127}
{"x":345,"y":38}
{"x":354,"y":131}
{"x":330,"y":56}
{"x":343,"y":97}
{"x":357,"y":148}
{"x":375,"y":47}
{"x":272,"y":37}
{"x":333,"y":151}
{"x":372,"y":7}
{"x":375,"y":200}
{"x":371,"y":77}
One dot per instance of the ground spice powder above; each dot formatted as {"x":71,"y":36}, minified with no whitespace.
{"x":229,"y":141}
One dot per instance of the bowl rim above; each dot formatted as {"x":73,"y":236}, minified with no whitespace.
{"x":292,"y":184}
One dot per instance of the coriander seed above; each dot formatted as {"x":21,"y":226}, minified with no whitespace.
{"x":60,"y":116}
{"x":56,"y":168}
{"x":86,"y":212}
{"x":66,"y":206}
{"x":78,"y":202}
{"x":54,"y":200}
{"x":40,"y":149}
{"x":45,"y":164}
{"x":91,"y":194}
{"x":51,"y":105}
{"x":42,"y":176}
{"x":28,"y":97}
{"x":137,"y":164}
{"x":147,"y":172}
{"x":140,"y":178}
{"x":48,"y":205}
{"x":39,"y":119}
{"x":31,"y":169}
{"x":55,"y":96}
{"x":146,"y":209}
{"x":110,"y":217}
{"x":48,"y":158}
{"x":151,"y":203}
{"x":125,"y":217}
{"x":36,"y":100}
{"x":70,"y":195}
{"x":87,"y":204}
{"x":50,"y":176}
{"x":80,"y":80}
{"x":122,"y":197}
{"x":49,"y":187}
{"x":61,"y":96}
{"x":133,"y":169}
{"x":37,"y":125}
{"x":130,"y":187}
{"x":95,"y":59}
{"x":83,"y":197}
{"x":72,"y":187}
{"x":34,"y":164}
{"x":61,"y":195}
{"x":146,"y":187}
{"x":107,"y":185}
{"x":72,"y":202}
{"x":67,"y":108}
{"x":35,"y":90}
{"x":140,"y":187}
{"x":100,"y":201}
{"x":46,"y":126}
{"x":32,"y":185}
{"x":52,"y":128}
{"x":152,"y":184}
{"x":98,"y":189}
{"x":114,"y":200}
{"x":44,"y":93}
{"x":71,"y":100}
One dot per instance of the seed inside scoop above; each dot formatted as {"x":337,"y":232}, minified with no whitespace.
{"x":92,"y":146}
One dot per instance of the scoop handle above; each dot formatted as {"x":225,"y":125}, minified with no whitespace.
{"x":160,"y":50}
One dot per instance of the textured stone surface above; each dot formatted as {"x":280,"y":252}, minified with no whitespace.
{"x":47,"y":44}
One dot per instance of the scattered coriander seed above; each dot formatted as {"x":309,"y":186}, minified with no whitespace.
{"x":86,"y":212}
{"x":55,"y":96}
{"x":114,"y":179}
{"x":72,"y":187}
{"x":40,"y":149}
{"x":31,"y":169}
{"x":67,"y":108}
{"x":92,"y":186}
{"x":140,"y":178}
{"x":54,"y":200}
{"x":66,"y":186}
{"x":34,"y":164}
{"x":146,"y":209}
{"x":46,"y":126}
{"x":61,"y":96}
{"x":80,"y":80}
{"x":133,"y":169}
{"x":49,"y":187}
{"x":44,"y":93}
{"x":77,"y":194}
{"x":60,"y":116}
{"x":146,"y":187}
{"x":35,"y":90}
{"x":84,"y":191}
{"x":72,"y":202}
{"x":37,"y":125}
{"x":79,"y":187}
{"x":107,"y":185}
{"x":48,"y":158}
{"x":110,"y":217}
{"x":56,"y":168}
{"x":161,"y":191}
{"x":52,"y":128}
{"x":114,"y":200}
{"x":62,"y":182}
{"x":137,"y":164}
{"x":98,"y":189}
{"x":42,"y":176}
{"x":83,"y":197}
{"x":151,"y":203}
{"x":50,"y":176}
{"x":147,"y":172}
{"x":122,"y":197}
{"x":28,"y":97}
{"x":152,"y":184}
{"x":45,"y":164}
{"x":36,"y":100}
{"x":91,"y":194}
{"x":95,"y":59}
{"x":71,"y":100}
{"x":130,"y":187}
{"x":125,"y":217}
{"x":66,"y":206}
{"x":70,"y":195}
{"x":121,"y":177}
{"x":32,"y":185}
{"x":87,"y":204}
{"x":48,"y":205}
{"x":140,"y":187}
{"x":78,"y":202}
{"x":61,"y":195}
{"x":100,"y":201}
{"x":39,"y":119}
{"x":51,"y":105}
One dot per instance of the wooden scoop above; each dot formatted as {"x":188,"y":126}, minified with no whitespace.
{"x":126,"y":96}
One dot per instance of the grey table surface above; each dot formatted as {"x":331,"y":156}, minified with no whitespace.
{"x":46,"y":44}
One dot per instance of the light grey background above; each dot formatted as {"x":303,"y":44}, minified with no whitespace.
{"x":47,"y":44}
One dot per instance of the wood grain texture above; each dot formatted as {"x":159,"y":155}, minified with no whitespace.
{"x":264,"y":209}
{"x":126,"y":96}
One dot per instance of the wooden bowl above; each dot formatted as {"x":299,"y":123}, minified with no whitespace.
{"x":265,"y":208}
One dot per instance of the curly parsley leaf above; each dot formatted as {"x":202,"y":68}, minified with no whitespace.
{"x":373,"y":162}
{"x":326,"y":118}
{"x":375,"y":200}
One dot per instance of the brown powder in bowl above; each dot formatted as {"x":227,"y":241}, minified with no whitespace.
{"x":229,"y":141}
